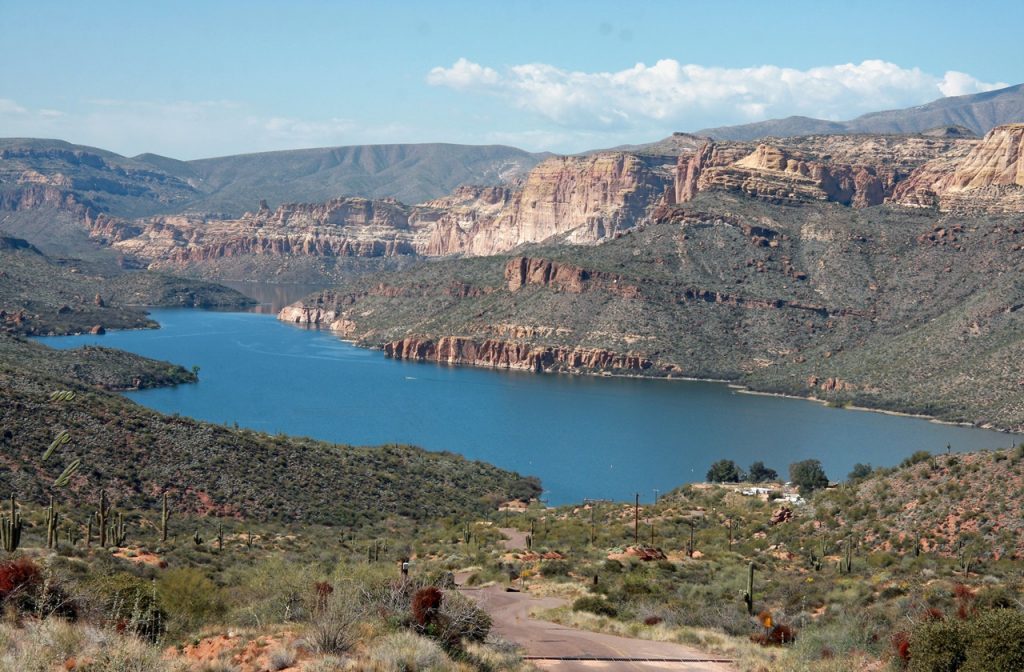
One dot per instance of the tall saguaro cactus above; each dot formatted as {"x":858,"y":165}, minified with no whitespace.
{"x":165,"y":514}
{"x":748,"y":597}
{"x":102,"y":516}
{"x":117,"y":531}
{"x":52,"y":521}
{"x":10,"y":529}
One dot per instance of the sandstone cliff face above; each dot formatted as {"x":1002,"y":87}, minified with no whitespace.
{"x":989,"y":178}
{"x":510,"y":355}
{"x":587,"y":199}
{"x":582,"y":199}
{"x":859,"y":171}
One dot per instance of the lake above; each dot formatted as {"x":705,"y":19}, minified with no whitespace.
{"x":583,"y":436}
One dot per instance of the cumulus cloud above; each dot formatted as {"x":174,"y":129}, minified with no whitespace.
{"x":689,"y":96}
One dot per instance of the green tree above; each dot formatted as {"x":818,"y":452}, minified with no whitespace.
{"x":808,"y":475}
{"x":859,"y":471}
{"x":725,"y":471}
{"x":760,"y":473}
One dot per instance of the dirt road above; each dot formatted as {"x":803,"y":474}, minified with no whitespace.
{"x":555,"y":647}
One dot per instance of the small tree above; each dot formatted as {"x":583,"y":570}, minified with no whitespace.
{"x":725,"y":471}
{"x":808,"y":475}
{"x":859,"y":472}
{"x":760,"y":473}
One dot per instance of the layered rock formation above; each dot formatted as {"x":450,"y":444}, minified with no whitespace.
{"x":585,"y":199}
{"x":989,"y":178}
{"x":510,"y":355}
{"x":581,"y":199}
{"x":859,"y":171}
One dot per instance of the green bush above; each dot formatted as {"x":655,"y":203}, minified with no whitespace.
{"x":937,"y":646}
{"x":995,"y":641}
{"x":612,"y":566}
{"x":916,"y":458}
{"x":189,"y":597}
{"x":594,"y":605}
{"x":550,"y":568}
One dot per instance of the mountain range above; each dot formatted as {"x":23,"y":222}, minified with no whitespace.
{"x":978,"y":112}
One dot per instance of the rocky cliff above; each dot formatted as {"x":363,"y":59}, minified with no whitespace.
{"x":511,"y":355}
{"x":586,"y":199}
{"x":989,"y":178}
{"x":858,"y":171}
{"x":578,"y":199}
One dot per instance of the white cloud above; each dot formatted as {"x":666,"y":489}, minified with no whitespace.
{"x":690,"y":96}
{"x":463,"y":74}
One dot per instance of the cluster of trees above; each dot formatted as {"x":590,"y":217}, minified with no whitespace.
{"x":808,"y":475}
{"x":727,"y":471}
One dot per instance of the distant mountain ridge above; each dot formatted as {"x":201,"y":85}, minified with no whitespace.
{"x":149,"y":184}
{"x":979,"y":112}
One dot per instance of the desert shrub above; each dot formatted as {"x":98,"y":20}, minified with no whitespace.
{"x":128,"y":604}
{"x":407,"y":652}
{"x":190,"y":597}
{"x":635,"y":585}
{"x":594,"y":605}
{"x":125,"y":654}
{"x":994,"y":597}
{"x":333,"y":627}
{"x":281,"y":658}
{"x":612,"y":566}
{"x":937,"y":646}
{"x":550,"y":568}
{"x":995,"y":641}
{"x":26,"y":588}
{"x":426,"y":604}
{"x":460,"y":621}
{"x":273,"y":591}
{"x":916,"y":458}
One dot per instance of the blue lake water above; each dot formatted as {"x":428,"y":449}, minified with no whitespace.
{"x":583,"y":436}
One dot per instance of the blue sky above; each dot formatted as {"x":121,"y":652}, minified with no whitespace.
{"x":194,"y":79}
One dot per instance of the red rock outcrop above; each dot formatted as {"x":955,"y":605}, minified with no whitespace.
{"x":566,"y":277}
{"x":508,"y":355}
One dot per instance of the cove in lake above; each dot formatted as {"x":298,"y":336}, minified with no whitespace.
{"x":583,"y":436}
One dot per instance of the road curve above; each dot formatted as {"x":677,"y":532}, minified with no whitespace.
{"x":548,"y":645}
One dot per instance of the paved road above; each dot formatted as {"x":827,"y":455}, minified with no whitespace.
{"x":544,"y":642}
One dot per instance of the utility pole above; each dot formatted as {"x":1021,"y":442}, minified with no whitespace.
{"x":656,"y":491}
{"x":636,"y":520}
{"x":593,"y":508}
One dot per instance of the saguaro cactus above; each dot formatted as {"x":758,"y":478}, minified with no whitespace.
{"x":748,"y":597}
{"x":10,"y":529}
{"x":52,"y":521}
{"x":165,"y":514}
{"x":102,"y":515}
{"x":118,"y":534}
